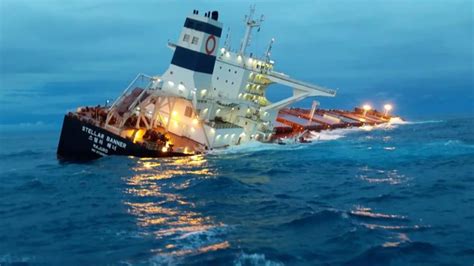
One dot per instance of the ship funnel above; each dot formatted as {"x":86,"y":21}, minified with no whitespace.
{"x":215,"y":15}
{"x":198,"y":42}
{"x":194,"y":57}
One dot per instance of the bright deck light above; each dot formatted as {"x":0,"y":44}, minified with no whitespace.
{"x":366,"y":108}
{"x":388,"y":108}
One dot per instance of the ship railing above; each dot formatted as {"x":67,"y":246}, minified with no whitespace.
{"x":139,"y":98}
{"x":132,"y":85}
{"x":221,"y":125}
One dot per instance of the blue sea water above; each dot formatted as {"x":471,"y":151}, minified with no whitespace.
{"x":398,"y":195}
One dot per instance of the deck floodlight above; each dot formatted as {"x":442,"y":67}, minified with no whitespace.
{"x":366,"y":108}
{"x":388,"y":108}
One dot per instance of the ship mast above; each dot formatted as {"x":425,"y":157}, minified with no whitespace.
{"x":250,"y":23}
{"x":269,"y":50}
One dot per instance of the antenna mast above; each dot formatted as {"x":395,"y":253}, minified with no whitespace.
{"x":250,"y":23}
{"x":268,"y":53}
{"x":227,"y":39}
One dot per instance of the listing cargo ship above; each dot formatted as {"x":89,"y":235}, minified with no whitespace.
{"x":208,"y":98}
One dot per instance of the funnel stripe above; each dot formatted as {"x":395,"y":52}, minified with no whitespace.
{"x":193,"y":60}
{"x":203,"y":27}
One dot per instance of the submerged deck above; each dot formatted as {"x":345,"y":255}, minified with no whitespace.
{"x":291,"y":121}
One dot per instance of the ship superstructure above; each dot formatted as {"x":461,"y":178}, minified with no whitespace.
{"x":213,"y":96}
{"x":208,"y":98}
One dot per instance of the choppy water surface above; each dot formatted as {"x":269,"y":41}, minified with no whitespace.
{"x":399,"y":195}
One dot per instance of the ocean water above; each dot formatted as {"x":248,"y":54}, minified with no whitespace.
{"x":397,"y":195}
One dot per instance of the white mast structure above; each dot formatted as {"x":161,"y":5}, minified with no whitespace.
{"x":250,"y":23}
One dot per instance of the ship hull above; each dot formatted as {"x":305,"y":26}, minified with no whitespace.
{"x":81,"y":141}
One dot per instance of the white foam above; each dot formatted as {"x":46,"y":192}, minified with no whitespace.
{"x":315,"y":137}
{"x":253,"y":146}
{"x":190,"y":244}
{"x":14,"y":259}
{"x":397,"y":121}
{"x":255,"y":259}
{"x":325,"y":135}
{"x":420,"y":122}
{"x":335,"y":134}
{"x":28,"y":125}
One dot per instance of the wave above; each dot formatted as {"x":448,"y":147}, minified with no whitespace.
{"x":29,"y":125}
{"x":397,"y":121}
{"x":367,"y":213}
{"x":255,"y":259}
{"x":382,"y":198}
{"x":328,"y":135}
{"x":255,"y":146}
{"x":315,"y":218}
{"x":9,"y":259}
{"x":35,"y":185}
{"x":397,"y":228}
{"x":23,"y":153}
{"x":219,"y":185}
{"x":191,"y":244}
{"x":451,"y":143}
{"x":385,"y":255}
{"x":420,"y":122}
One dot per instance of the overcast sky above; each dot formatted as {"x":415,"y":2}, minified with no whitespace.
{"x":56,"y":55}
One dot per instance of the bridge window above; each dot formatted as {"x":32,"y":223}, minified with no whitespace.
{"x":186,"y":38}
